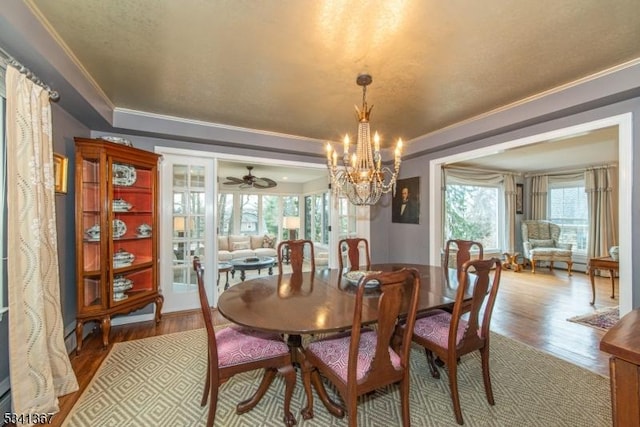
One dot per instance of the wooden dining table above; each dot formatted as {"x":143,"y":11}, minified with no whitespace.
{"x":323,"y":301}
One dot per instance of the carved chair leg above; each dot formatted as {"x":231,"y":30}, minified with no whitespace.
{"x":432,"y":365}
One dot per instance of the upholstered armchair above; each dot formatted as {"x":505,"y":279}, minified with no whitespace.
{"x":540,"y":241}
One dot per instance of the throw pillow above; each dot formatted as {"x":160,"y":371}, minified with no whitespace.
{"x":269,"y":241}
{"x":539,"y":243}
{"x":239,"y":246}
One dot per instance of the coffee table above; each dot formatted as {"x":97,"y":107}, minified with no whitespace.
{"x":252,"y":263}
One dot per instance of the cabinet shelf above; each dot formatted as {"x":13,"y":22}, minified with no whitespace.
{"x":97,"y":277}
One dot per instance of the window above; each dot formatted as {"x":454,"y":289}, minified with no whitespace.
{"x":567,"y":207}
{"x":253,"y":214}
{"x":346,"y":218}
{"x":316,"y":218}
{"x":472,"y":212}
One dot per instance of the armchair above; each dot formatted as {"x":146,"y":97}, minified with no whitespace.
{"x":540,"y":242}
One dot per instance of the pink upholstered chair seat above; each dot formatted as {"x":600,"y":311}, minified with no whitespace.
{"x":435,"y":328}
{"x":335,"y":353}
{"x":237,"y":345}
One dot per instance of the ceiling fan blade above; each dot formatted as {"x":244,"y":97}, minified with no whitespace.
{"x":246,"y":185}
{"x":233,"y":181}
{"x":264,"y":183}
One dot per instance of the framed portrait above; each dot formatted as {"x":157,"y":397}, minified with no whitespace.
{"x":519,"y":201}
{"x":60,"y":167}
{"x":406,"y":202}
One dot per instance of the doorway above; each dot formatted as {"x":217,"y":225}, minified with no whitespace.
{"x":625,"y":167}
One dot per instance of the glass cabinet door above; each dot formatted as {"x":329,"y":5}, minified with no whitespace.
{"x":92,"y":290}
{"x":132,"y":229}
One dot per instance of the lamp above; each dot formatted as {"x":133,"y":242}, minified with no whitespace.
{"x":362,"y":178}
{"x":291,"y":223}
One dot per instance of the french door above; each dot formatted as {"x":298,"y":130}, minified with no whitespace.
{"x":188,"y":229}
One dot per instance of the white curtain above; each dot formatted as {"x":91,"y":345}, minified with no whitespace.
{"x":476,"y":177}
{"x":40,"y":369}
{"x":602,"y":233}
{"x":539,"y":190}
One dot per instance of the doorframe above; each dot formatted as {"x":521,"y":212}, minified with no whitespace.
{"x":624,"y":122}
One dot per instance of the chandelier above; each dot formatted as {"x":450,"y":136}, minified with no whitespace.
{"x":361,"y":177}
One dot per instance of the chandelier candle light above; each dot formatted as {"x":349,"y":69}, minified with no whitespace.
{"x":362,"y":177}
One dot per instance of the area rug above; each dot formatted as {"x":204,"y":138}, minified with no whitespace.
{"x":158,"y":381}
{"x":602,"y":319}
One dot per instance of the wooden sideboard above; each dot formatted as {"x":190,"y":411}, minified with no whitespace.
{"x":622,"y":341}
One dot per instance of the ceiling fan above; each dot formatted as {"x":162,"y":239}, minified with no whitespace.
{"x":250,"y":181}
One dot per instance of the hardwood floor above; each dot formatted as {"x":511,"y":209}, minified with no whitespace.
{"x":530,"y":308}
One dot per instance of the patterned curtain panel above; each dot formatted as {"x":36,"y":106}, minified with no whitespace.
{"x":39,"y":365}
{"x":602,"y":235}
{"x":539,"y":190}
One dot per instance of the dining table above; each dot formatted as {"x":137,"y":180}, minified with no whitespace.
{"x":323,"y":301}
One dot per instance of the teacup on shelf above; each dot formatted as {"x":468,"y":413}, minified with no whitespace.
{"x":121,"y":205}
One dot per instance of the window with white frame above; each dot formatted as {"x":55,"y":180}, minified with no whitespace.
{"x":252,"y":214}
{"x":472,"y":212}
{"x":567,"y":207}
{"x":316,"y":218}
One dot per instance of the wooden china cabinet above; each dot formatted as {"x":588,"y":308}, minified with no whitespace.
{"x":116,"y":232}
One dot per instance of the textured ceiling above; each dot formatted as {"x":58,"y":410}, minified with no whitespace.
{"x":289,"y":66}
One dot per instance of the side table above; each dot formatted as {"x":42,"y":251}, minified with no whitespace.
{"x":602,"y":263}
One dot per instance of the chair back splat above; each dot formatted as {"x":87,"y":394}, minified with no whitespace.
{"x":449,"y":336}
{"x":296,"y":251}
{"x":463,"y":249}
{"x":351,"y":248}
{"x":237,"y":354}
{"x":367,"y":359}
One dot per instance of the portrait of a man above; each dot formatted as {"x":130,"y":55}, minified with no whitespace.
{"x":406,"y":205}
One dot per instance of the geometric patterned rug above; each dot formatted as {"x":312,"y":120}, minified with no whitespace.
{"x":158,"y":381}
{"x":602,"y":319}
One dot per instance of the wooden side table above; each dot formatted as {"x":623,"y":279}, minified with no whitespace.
{"x":622,"y":341}
{"x":602,"y":263}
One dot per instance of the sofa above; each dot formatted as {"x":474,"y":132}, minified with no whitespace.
{"x":540,"y":242}
{"x":240,"y":246}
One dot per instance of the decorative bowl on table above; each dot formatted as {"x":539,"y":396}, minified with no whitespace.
{"x":354,"y":276}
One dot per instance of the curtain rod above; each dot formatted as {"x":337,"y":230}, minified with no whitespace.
{"x":10,"y":60}
{"x":562,"y":172}
{"x":453,"y":166}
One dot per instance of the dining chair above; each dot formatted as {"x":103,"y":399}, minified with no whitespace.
{"x":463,"y":249}
{"x":366,"y":359}
{"x":449,"y":336}
{"x":351,"y":248}
{"x":295,"y":250}
{"x":233,"y":350}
